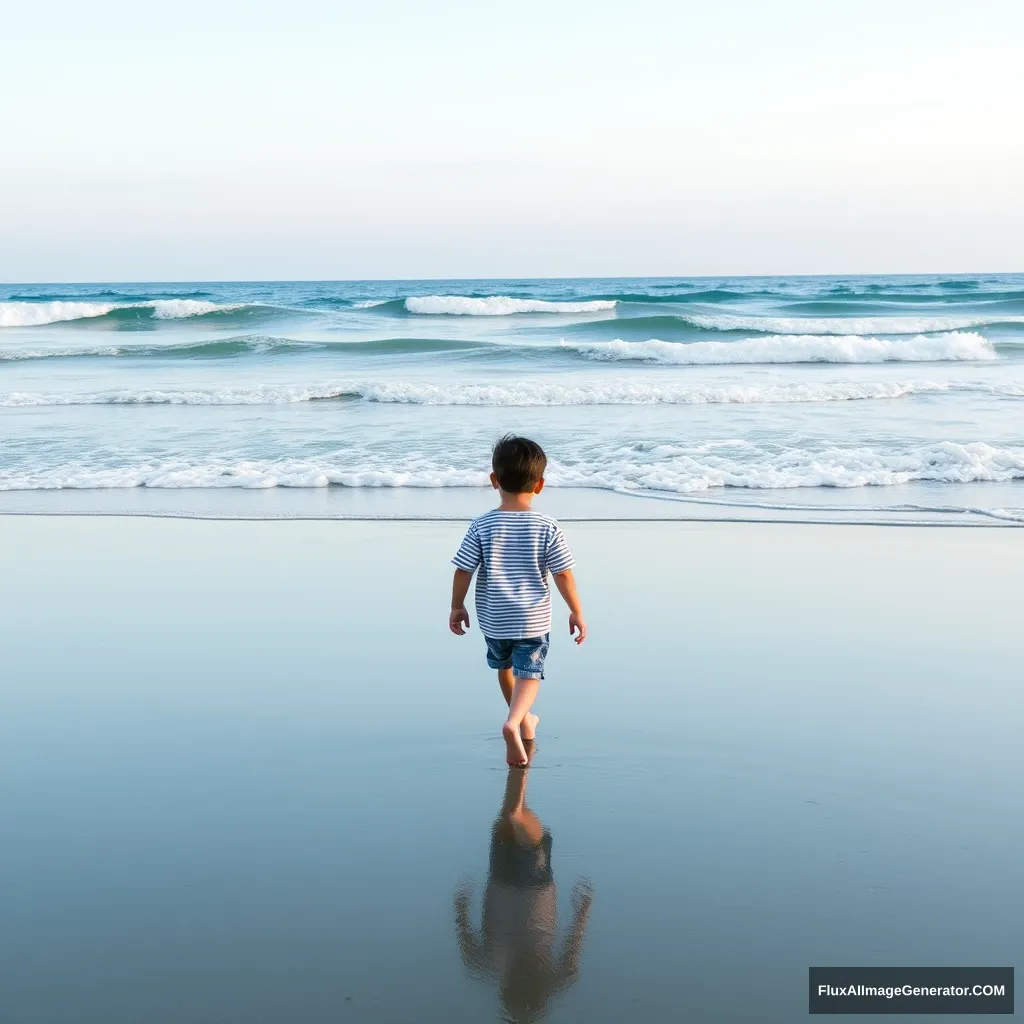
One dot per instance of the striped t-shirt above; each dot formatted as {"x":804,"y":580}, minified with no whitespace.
{"x":514,"y":552}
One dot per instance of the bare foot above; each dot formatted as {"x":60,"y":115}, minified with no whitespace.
{"x":528,"y":730}
{"x":515,"y":752}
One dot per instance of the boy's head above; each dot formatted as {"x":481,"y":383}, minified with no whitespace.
{"x":518,"y":465}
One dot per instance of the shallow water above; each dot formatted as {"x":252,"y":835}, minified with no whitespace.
{"x":246,"y":774}
{"x":770,"y":391}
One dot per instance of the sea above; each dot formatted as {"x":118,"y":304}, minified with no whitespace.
{"x":869,"y":399}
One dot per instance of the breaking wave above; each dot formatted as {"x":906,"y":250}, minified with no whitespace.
{"x":655,"y":468}
{"x":255,"y":344}
{"x":795,"y":348}
{"x":37,"y":314}
{"x":519,"y":394}
{"x":499,"y":305}
{"x":846,"y":325}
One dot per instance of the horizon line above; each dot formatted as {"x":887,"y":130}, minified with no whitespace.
{"x":586,"y":277}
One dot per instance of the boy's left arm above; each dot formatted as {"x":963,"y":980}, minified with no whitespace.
{"x":559,"y":562}
{"x":566,"y":584}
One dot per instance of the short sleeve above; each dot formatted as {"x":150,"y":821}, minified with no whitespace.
{"x":558,"y":558}
{"x":470,"y":553}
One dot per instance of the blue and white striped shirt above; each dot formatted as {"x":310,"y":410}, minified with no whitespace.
{"x":514,"y":552}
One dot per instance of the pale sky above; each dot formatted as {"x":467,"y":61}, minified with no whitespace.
{"x":213,"y":140}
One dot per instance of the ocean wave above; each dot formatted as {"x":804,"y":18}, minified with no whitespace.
{"x":179,"y":309}
{"x":498,"y":305}
{"x":643,"y":468}
{"x":741,"y":464}
{"x":257,"y":394}
{"x":707,"y":296}
{"x":522,"y":394}
{"x":846,"y":325}
{"x":37,"y":314}
{"x":34,"y":314}
{"x":956,"y":346}
{"x":666,"y":326}
{"x":796,"y":348}
{"x":255,"y":344}
{"x":888,"y":304}
{"x":227,"y":347}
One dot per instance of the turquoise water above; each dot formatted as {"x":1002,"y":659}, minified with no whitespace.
{"x":228,"y":794}
{"x":793,"y":395}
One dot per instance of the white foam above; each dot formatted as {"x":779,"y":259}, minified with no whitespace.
{"x":619,"y":392}
{"x":241,"y":395}
{"x":180,"y":309}
{"x":498,"y":305}
{"x":522,"y":393}
{"x":644,"y":468}
{"x":370,"y":303}
{"x":845,"y":325}
{"x":794,"y":348}
{"x":37,"y":314}
{"x":1010,"y":515}
{"x":249,"y":474}
{"x":678,"y":469}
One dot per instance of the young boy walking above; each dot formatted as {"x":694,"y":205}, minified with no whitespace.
{"x":512,"y":549}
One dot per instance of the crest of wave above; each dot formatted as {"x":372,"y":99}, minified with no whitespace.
{"x":796,"y":348}
{"x":644,"y":467}
{"x":36,"y":314}
{"x":521,"y":393}
{"x":686,"y":469}
{"x":179,"y":309}
{"x":845,"y":325}
{"x":499,"y":305}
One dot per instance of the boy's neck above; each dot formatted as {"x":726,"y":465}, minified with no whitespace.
{"x":516,"y":502}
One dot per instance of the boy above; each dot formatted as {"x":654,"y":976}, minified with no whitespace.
{"x":515,"y":548}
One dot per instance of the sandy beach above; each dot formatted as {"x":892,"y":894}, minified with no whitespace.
{"x":246,"y":773}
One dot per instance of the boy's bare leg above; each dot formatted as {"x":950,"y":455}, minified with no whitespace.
{"x":524,"y":693}
{"x":507,"y":681}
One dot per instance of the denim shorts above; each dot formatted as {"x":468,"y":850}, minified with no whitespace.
{"x":524,"y":657}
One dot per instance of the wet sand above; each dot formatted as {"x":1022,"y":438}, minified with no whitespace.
{"x":247,"y":775}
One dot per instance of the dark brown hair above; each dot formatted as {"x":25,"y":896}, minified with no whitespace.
{"x":518,"y":463}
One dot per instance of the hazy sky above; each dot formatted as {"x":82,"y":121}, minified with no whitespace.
{"x":308,"y":139}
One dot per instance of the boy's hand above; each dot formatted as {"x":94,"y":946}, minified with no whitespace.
{"x":577,"y":628}
{"x":458,"y":621}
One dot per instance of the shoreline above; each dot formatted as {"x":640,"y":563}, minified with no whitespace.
{"x":606,"y":520}
{"x":908,"y":505}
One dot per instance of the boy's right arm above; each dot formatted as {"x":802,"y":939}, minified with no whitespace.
{"x":467,"y":560}
{"x":458,"y":617}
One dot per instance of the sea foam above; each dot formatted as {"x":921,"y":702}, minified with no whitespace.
{"x":34,"y":314}
{"x":844,"y":325}
{"x":499,"y":305}
{"x":37,"y":314}
{"x":528,"y":393}
{"x":794,"y":348}
{"x":180,"y":309}
{"x":662,"y":468}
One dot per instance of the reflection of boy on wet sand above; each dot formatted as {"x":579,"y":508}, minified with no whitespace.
{"x":516,"y":943}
